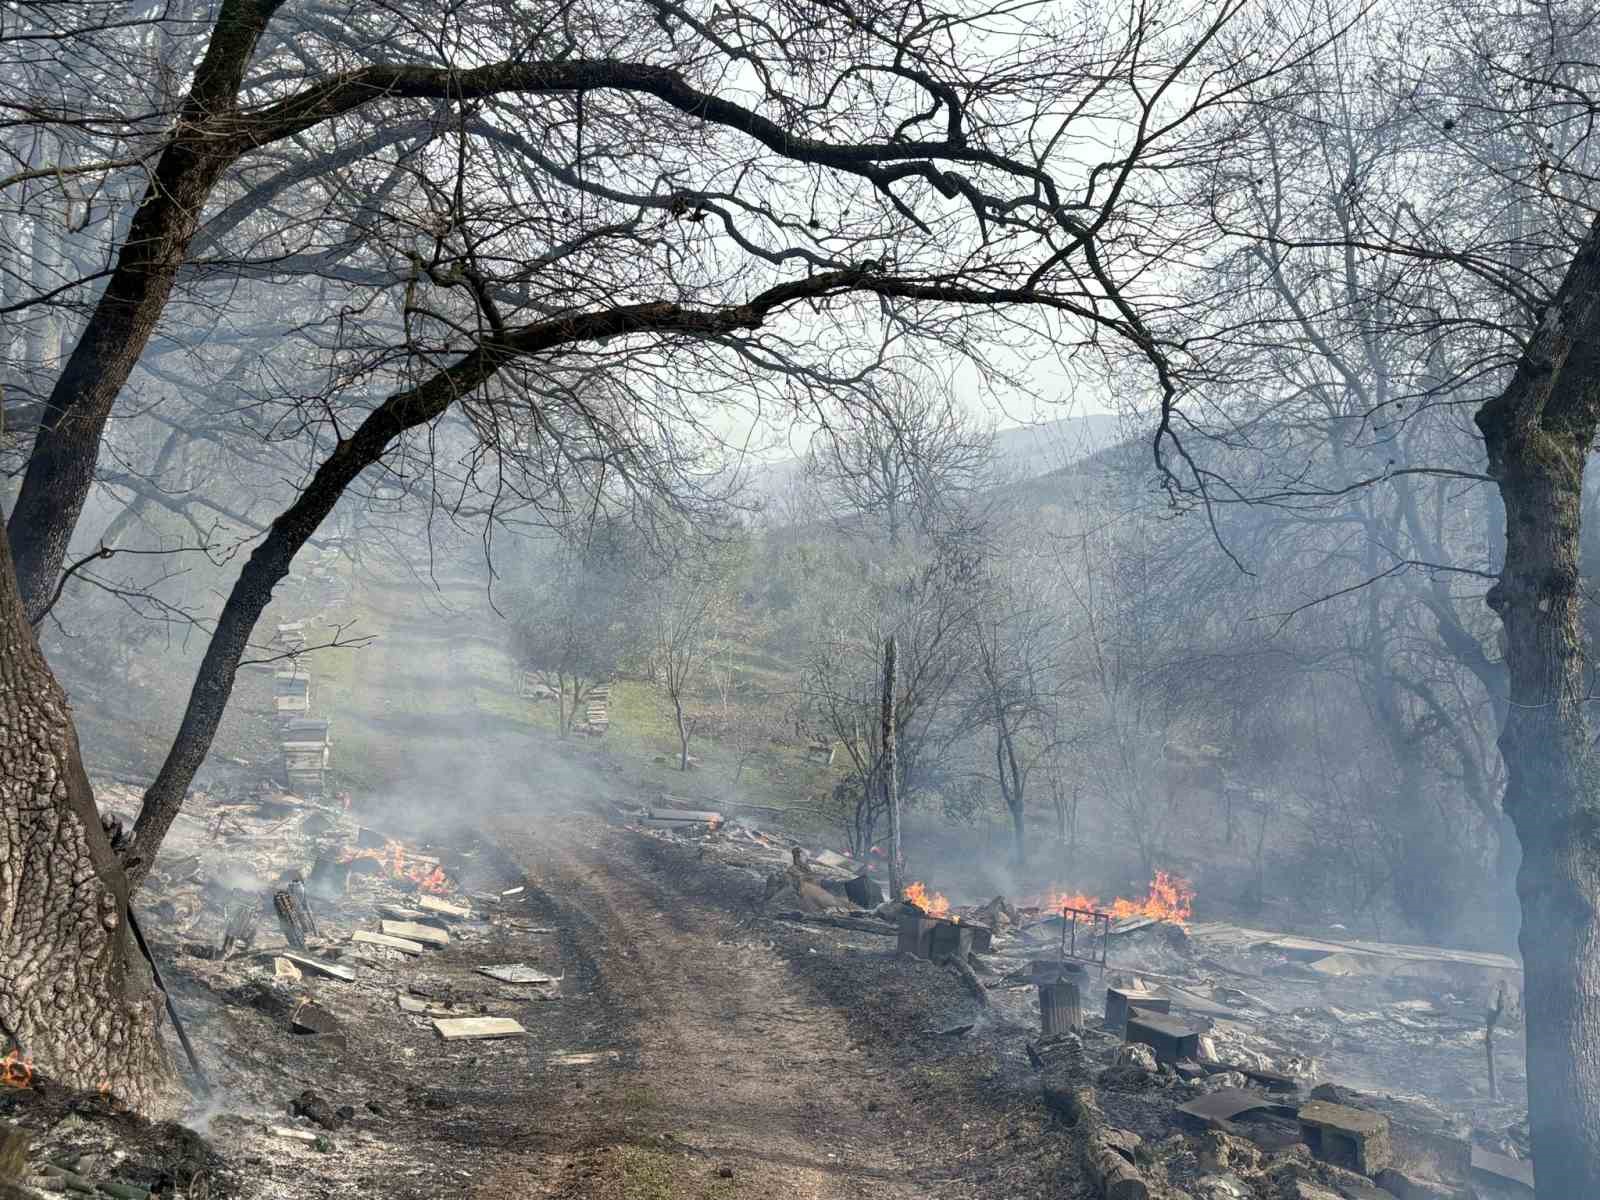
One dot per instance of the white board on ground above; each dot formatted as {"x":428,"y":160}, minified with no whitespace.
{"x":404,"y":945}
{"x":416,"y":933}
{"x":453,"y":1029}
{"x":443,"y":907}
{"x":518,"y":973}
{"x":332,"y":970}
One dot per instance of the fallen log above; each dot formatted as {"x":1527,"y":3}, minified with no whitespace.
{"x":859,"y":924}
{"x":1107,"y":1153}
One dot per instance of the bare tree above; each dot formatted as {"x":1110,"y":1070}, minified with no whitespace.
{"x":688,"y":611}
{"x":907,"y":457}
{"x":572,"y":629}
{"x":475,"y":284}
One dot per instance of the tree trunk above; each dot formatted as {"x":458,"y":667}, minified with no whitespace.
{"x":1538,"y":433}
{"x":891,"y":789}
{"x":683,"y":728}
{"x":76,"y":998}
{"x":61,"y":467}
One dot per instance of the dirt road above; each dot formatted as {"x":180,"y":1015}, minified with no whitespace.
{"x":723,"y":1068}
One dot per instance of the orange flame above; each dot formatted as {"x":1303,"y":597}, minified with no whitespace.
{"x":15,"y":1071}
{"x":393,"y":859}
{"x":934,"y":905}
{"x":105,"y":1087}
{"x":1169,"y":898}
{"x":433,"y":881}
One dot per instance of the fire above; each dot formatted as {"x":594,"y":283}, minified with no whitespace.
{"x":393,"y":859}
{"x":1169,"y":898}
{"x":16,"y":1071}
{"x":934,"y":905}
{"x":105,"y":1087}
{"x":434,"y":881}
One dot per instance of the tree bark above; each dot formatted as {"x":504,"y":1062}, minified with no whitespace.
{"x":76,"y":998}
{"x":61,"y":467}
{"x":891,"y":787}
{"x":1538,"y":433}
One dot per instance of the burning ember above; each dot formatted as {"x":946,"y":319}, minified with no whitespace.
{"x":934,"y":905}
{"x":16,"y":1072}
{"x":393,"y":857}
{"x":1169,"y":898}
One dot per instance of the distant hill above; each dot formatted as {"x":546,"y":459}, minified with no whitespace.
{"x":1024,"y":452}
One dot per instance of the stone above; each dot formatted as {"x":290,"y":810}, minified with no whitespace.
{"x":1222,"y":1080}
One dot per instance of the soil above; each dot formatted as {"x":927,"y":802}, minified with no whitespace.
{"x":698,"y":1050}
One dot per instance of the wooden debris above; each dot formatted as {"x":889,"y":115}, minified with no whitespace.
{"x":457,"y":1028}
{"x":1106,"y":1152}
{"x":859,"y":924}
{"x":518,"y":973}
{"x":317,"y":966}
{"x":430,"y":1008}
{"x":400,"y":912}
{"x":293,"y":1134}
{"x":285,"y":970}
{"x":240,"y":933}
{"x":404,"y":945}
{"x":416,"y":933}
{"x":685,"y":816}
{"x":311,"y":1017}
{"x":443,"y":908}
{"x":292,"y":919}
{"x":516,"y":891}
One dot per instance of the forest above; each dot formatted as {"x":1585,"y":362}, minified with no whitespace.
{"x":1198,"y":398}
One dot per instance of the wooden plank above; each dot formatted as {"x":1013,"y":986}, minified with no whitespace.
{"x":416,"y":932}
{"x":332,"y":970}
{"x":430,"y":1008}
{"x":691,"y":816}
{"x":443,"y":908}
{"x":454,"y":1029}
{"x":517,"y":973}
{"x":404,"y":945}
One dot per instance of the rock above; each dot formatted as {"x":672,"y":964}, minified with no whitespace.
{"x":1136,"y":1054}
{"x":1221,"y":1081}
{"x":377,"y":1108}
{"x":1219,"y":1151}
{"x":724,"y":1172}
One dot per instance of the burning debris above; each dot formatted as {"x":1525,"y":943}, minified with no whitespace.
{"x":1168,"y":898}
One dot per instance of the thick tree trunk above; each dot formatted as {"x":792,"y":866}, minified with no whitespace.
{"x":1538,"y":434}
{"x":76,"y":998}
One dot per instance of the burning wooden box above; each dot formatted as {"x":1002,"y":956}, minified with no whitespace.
{"x":933,"y":937}
{"x":306,"y":752}
{"x":291,"y":691}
